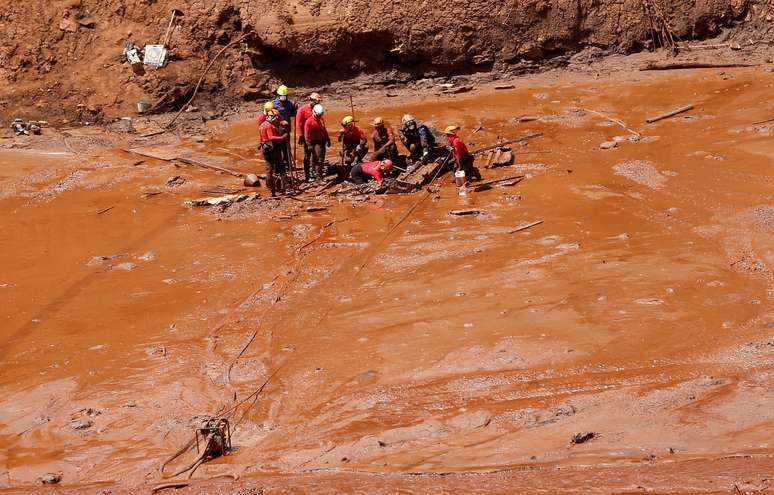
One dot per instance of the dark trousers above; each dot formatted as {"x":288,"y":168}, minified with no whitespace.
{"x":318,"y":157}
{"x":357,"y":174}
{"x":307,"y":160}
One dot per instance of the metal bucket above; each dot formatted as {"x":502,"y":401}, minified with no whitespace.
{"x":142,"y":107}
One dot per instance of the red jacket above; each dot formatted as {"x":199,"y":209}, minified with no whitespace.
{"x":314,"y":129}
{"x":271,"y":132}
{"x":302,"y":115}
{"x":458,"y":148}
{"x":352,"y":137}
{"x":261,"y":119}
{"x":372,"y":169}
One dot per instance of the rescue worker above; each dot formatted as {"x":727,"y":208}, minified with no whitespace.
{"x":384,"y":141}
{"x":304,"y":112}
{"x":266,"y":107}
{"x":287,"y":109}
{"x":363,"y":172}
{"x":316,"y":137}
{"x":273,"y":141}
{"x":354,"y":144}
{"x":463,"y":160}
{"x":417,"y":138}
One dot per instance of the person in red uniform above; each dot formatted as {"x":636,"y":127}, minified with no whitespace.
{"x":384,"y":141}
{"x":273,"y":141}
{"x":354,"y":144}
{"x":304,"y":112}
{"x":363,"y":172}
{"x":462,"y":157}
{"x":316,"y":136}
{"x":266,"y":107}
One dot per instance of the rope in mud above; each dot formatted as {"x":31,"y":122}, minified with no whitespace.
{"x":204,"y":73}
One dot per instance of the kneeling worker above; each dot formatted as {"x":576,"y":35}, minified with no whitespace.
{"x":363,"y":172}
{"x":417,"y":138}
{"x":463,"y":158}
{"x":274,"y":140}
{"x":354,"y":144}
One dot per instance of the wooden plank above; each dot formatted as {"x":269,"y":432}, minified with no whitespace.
{"x":669,"y":114}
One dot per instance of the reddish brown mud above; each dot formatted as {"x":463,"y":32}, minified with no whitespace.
{"x":442,"y":354}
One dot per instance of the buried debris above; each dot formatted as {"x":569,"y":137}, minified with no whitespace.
{"x":220,"y":200}
{"x":252,"y":180}
{"x":312,"y":209}
{"x":692,"y":65}
{"x":669,"y":114}
{"x":50,"y":478}
{"x":583,"y":437}
{"x":465,"y":212}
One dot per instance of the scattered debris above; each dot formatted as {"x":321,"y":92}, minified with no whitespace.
{"x":669,"y":114}
{"x":611,"y":119}
{"x":147,"y":195}
{"x":149,"y":256}
{"x":22,"y":127}
{"x":608,"y":145}
{"x":464,"y":212}
{"x":77,"y":423}
{"x":175,"y":181}
{"x":127,"y":266}
{"x":525,"y":227}
{"x":50,"y":478}
{"x":227,"y":199}
{"x":155,"y":56}
{"x":311,"y":209}
{"x":692,"y":65}
{"x":583,"y":437}
{"x":100,"y":212}
{"x":506,"y":86}
{"x":461,"y":89}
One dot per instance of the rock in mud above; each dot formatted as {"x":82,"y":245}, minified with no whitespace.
{"x":583,"y":437}
{"x":128,"y":266}
{"x":149,"y":256}
{"x":50,"y":478}
{"x":252,"y":180}
{"x":607,"y":145}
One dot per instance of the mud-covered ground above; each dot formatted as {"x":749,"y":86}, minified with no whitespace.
{"x":434,"y":353}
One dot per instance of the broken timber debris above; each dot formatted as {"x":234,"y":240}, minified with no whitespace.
{"x":583,"y":437}
{"x":669,"y":114}
{"x":510,"y":141}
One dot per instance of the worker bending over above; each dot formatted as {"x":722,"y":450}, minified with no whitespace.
{"x":363,"y":172}
{"x":274,"y":138}
{"x":354,"y":144}
{"x":304,"y":112}
{"x":384,"y":141}
{"x":463,"y":160}
{"x":316,"y":137}
{"x":417,"y":138}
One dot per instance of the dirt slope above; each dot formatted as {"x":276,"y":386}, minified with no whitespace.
{"x":59,"y":54}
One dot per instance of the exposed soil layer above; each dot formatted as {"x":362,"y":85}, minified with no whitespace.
{"x":60,"y":60}
{"x":442,"y":354}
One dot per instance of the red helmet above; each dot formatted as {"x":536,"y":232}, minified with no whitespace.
{"x":273,"y":115}
{"x":387,"y":164}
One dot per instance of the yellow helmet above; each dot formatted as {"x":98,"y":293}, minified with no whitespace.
{"x":451,"y":130}
{"x":378,"y":121}
{"x":347,"y":120}
{"x":268,"y":106}
{"x":282,"y":90}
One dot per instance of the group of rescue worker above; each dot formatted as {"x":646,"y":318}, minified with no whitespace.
{"x":356,"y":162}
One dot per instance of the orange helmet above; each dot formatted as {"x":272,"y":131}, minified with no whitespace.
{"x":315,"y":97}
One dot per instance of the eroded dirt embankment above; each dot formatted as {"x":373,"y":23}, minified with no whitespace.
{"x":640,"y":309}
{"x":59,"y":60}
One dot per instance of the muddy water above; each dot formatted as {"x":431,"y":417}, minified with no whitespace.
{"x":640,"y":309}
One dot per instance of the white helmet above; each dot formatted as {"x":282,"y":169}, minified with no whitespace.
{"x":318,"y":110}
{"x":408,"y":118}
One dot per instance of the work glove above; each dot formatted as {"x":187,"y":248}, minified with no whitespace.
{"x":300,"y":139}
